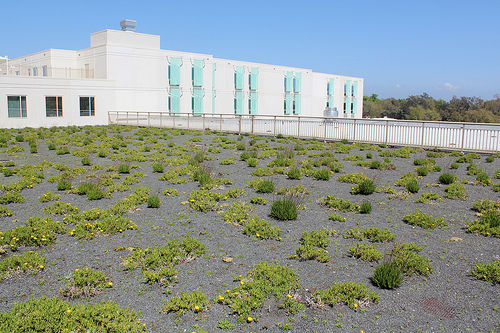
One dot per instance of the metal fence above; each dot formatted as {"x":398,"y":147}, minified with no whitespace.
{"x":425,"y":134}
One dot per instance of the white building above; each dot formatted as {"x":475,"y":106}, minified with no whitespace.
{"x":127,"y":71}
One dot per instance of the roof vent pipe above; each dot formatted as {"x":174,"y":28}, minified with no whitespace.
{"x":128,"y":25}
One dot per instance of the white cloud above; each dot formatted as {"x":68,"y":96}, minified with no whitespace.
{"x":449,"y":87}
{"x":398,"y":86}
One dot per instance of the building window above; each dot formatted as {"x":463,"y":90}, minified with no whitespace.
{"x":44,"y":70}
{"x":35,"y":71}
{"x":16,"y":106}
{"x":87,"y":106}
{"x":53,"y":106}
{"x":29,"y":71}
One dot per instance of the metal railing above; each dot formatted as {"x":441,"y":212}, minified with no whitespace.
{"x":424,"y":134}
{"x":46,"y":71}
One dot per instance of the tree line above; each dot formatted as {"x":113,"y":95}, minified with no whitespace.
{"x":424,"y":107}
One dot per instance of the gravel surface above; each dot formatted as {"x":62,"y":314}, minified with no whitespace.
{"x":448,"y":300}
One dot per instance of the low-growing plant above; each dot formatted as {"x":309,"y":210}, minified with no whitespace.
{"x":228,"y":161}
{"x":252,"y":162}
{"x":260,"y":228}
{"x":238,"y":213}
{"x":337,"y":217}
{"x":424,"y":220}
{"x":366,"y":252}
{"x":61,"y":316}
{"x":428,"y":197}
{"x":225,"y":324}
{"x":353,"y":178}
{"x":64,"y":185}
{"x":258,"y":201}
{"x":489,"y":272}
{"x":488,"y":224}
{"x":455,"y":191}
{"x":387,"y":275}
{"x":373,"y":234}
{"x":61,"y":208}
{"x":422,"y":171}
{"x":366,"y":187}
{"x":482,"y":178}
{"x":86,"y":282}
{"x":405,"y":256}
{"x":407,"y":178}
{"x":339,"y":204}
{"x":454,"y":166}
{"x":194,"y":301}
{"x":158,"y":168}
{"x":86,"y":161}
{"x":123,"y":168}
{"x":29,"y":262}
{"x":171,"y":192}
{"x":36,"y":231}
{"x":284,"y":210}
{"x":354,"y":295}
{"x":313,"y":246}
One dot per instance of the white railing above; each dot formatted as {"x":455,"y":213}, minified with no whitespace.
{"x":425,"y":134}
{"x":46,"y":71}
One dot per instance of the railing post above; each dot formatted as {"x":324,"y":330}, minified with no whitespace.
{"x":220,"y":124}
{"x":386,"y":131}
{"x":274,"y":126}
{"x":188,"y":121}
{"x":174,"y":119}
{"x":298,"y":127}
{"x":253,"y":117}
{"x":137,"y":118}
{"x":463,"y":138}
{"x":422,"y":139}
{"x":203,"y":122}
{"x":161,"y":117}
{"x":354,"y":132}
{"x":149,"y":119}
{"x":324,"y":124}
{"x":239,"y":124}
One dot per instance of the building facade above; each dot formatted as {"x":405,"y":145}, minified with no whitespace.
{"x":128,"y":71}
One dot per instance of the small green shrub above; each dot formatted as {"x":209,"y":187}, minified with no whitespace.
{"x":446,"y":178}
{"x":63,"y":185}
{"x":95,"y":194}
{"x":284,"y":210}
{"x":322,"y":174}
{"x":366,"y":187}
{"x":194,"y":301}
{"x":490,"y":159}
{"x":8,"y":172}
{"x":377,"y":165}
{"x":428,"y":197}
{"x":339,"y":204}
{"x":405,"y":256}
{"x":252,"y":162}
{"x":123,"y":168}
{"x":372,"y":234}
{"x":354,"y":295}
{"x":86,"y":161}
{"x":387,"y":276}
{"x":153,"y":201}
{"x":365,"y":207}
{"x":294,"y":173}
{"x":488,"y":224}
{"x":454,"y":166}
{"x":412,"y":187}
{"x":28,"y":262}
{"x":261,"y":228}
{"x":422,"y":171}
{"x":265,"y":186}
{"x":482,"y":178}
{"x":158,"y":168}
{"x":337,"y":217}
{"x":86,"y":282}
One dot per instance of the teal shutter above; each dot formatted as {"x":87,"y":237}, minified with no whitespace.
{"x":198,"y":65}
{"x":298,"y":100}
{"x":197,"y":101}
{"x":253,"y":102}
{"x":347,"y":105}
{"x":297,"y":86}
{"x":355,"y":89}
{"x":213,"y":101}
{"x":175,"y":71}
{"x":288,"y":104}
{"x":175,"y":100}
{"x":254,"y":78}
{"x":330,"y":87}
{"x":348,"y":88}
{"x":288,"y":81}
{"x":238,"y":106}
{"x":238,"y":79}
{"x":354,"y":105}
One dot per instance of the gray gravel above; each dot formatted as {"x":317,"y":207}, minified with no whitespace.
{"x":449,"y":300}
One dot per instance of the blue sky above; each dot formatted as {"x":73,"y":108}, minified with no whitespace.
{"x":400,"y":48}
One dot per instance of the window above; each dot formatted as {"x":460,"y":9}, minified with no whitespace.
{"x":44,"y":70}
{"x":29,"y":71}
{"x":87,"y":106}
{"x":53,"y":106}
{"x":174,"y":71}
{"x":16,"y":106}
{"x":35,"y":71}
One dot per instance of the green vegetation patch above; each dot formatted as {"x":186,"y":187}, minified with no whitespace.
{"x":354,"y":295}
{"x":372,"y":234}
{"x":489,"y":272}
{"x":424,"y":220}
{"x":29,"y":262}
{"x":86,"y":282}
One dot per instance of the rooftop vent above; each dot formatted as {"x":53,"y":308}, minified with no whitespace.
{"x":128,"y":25}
